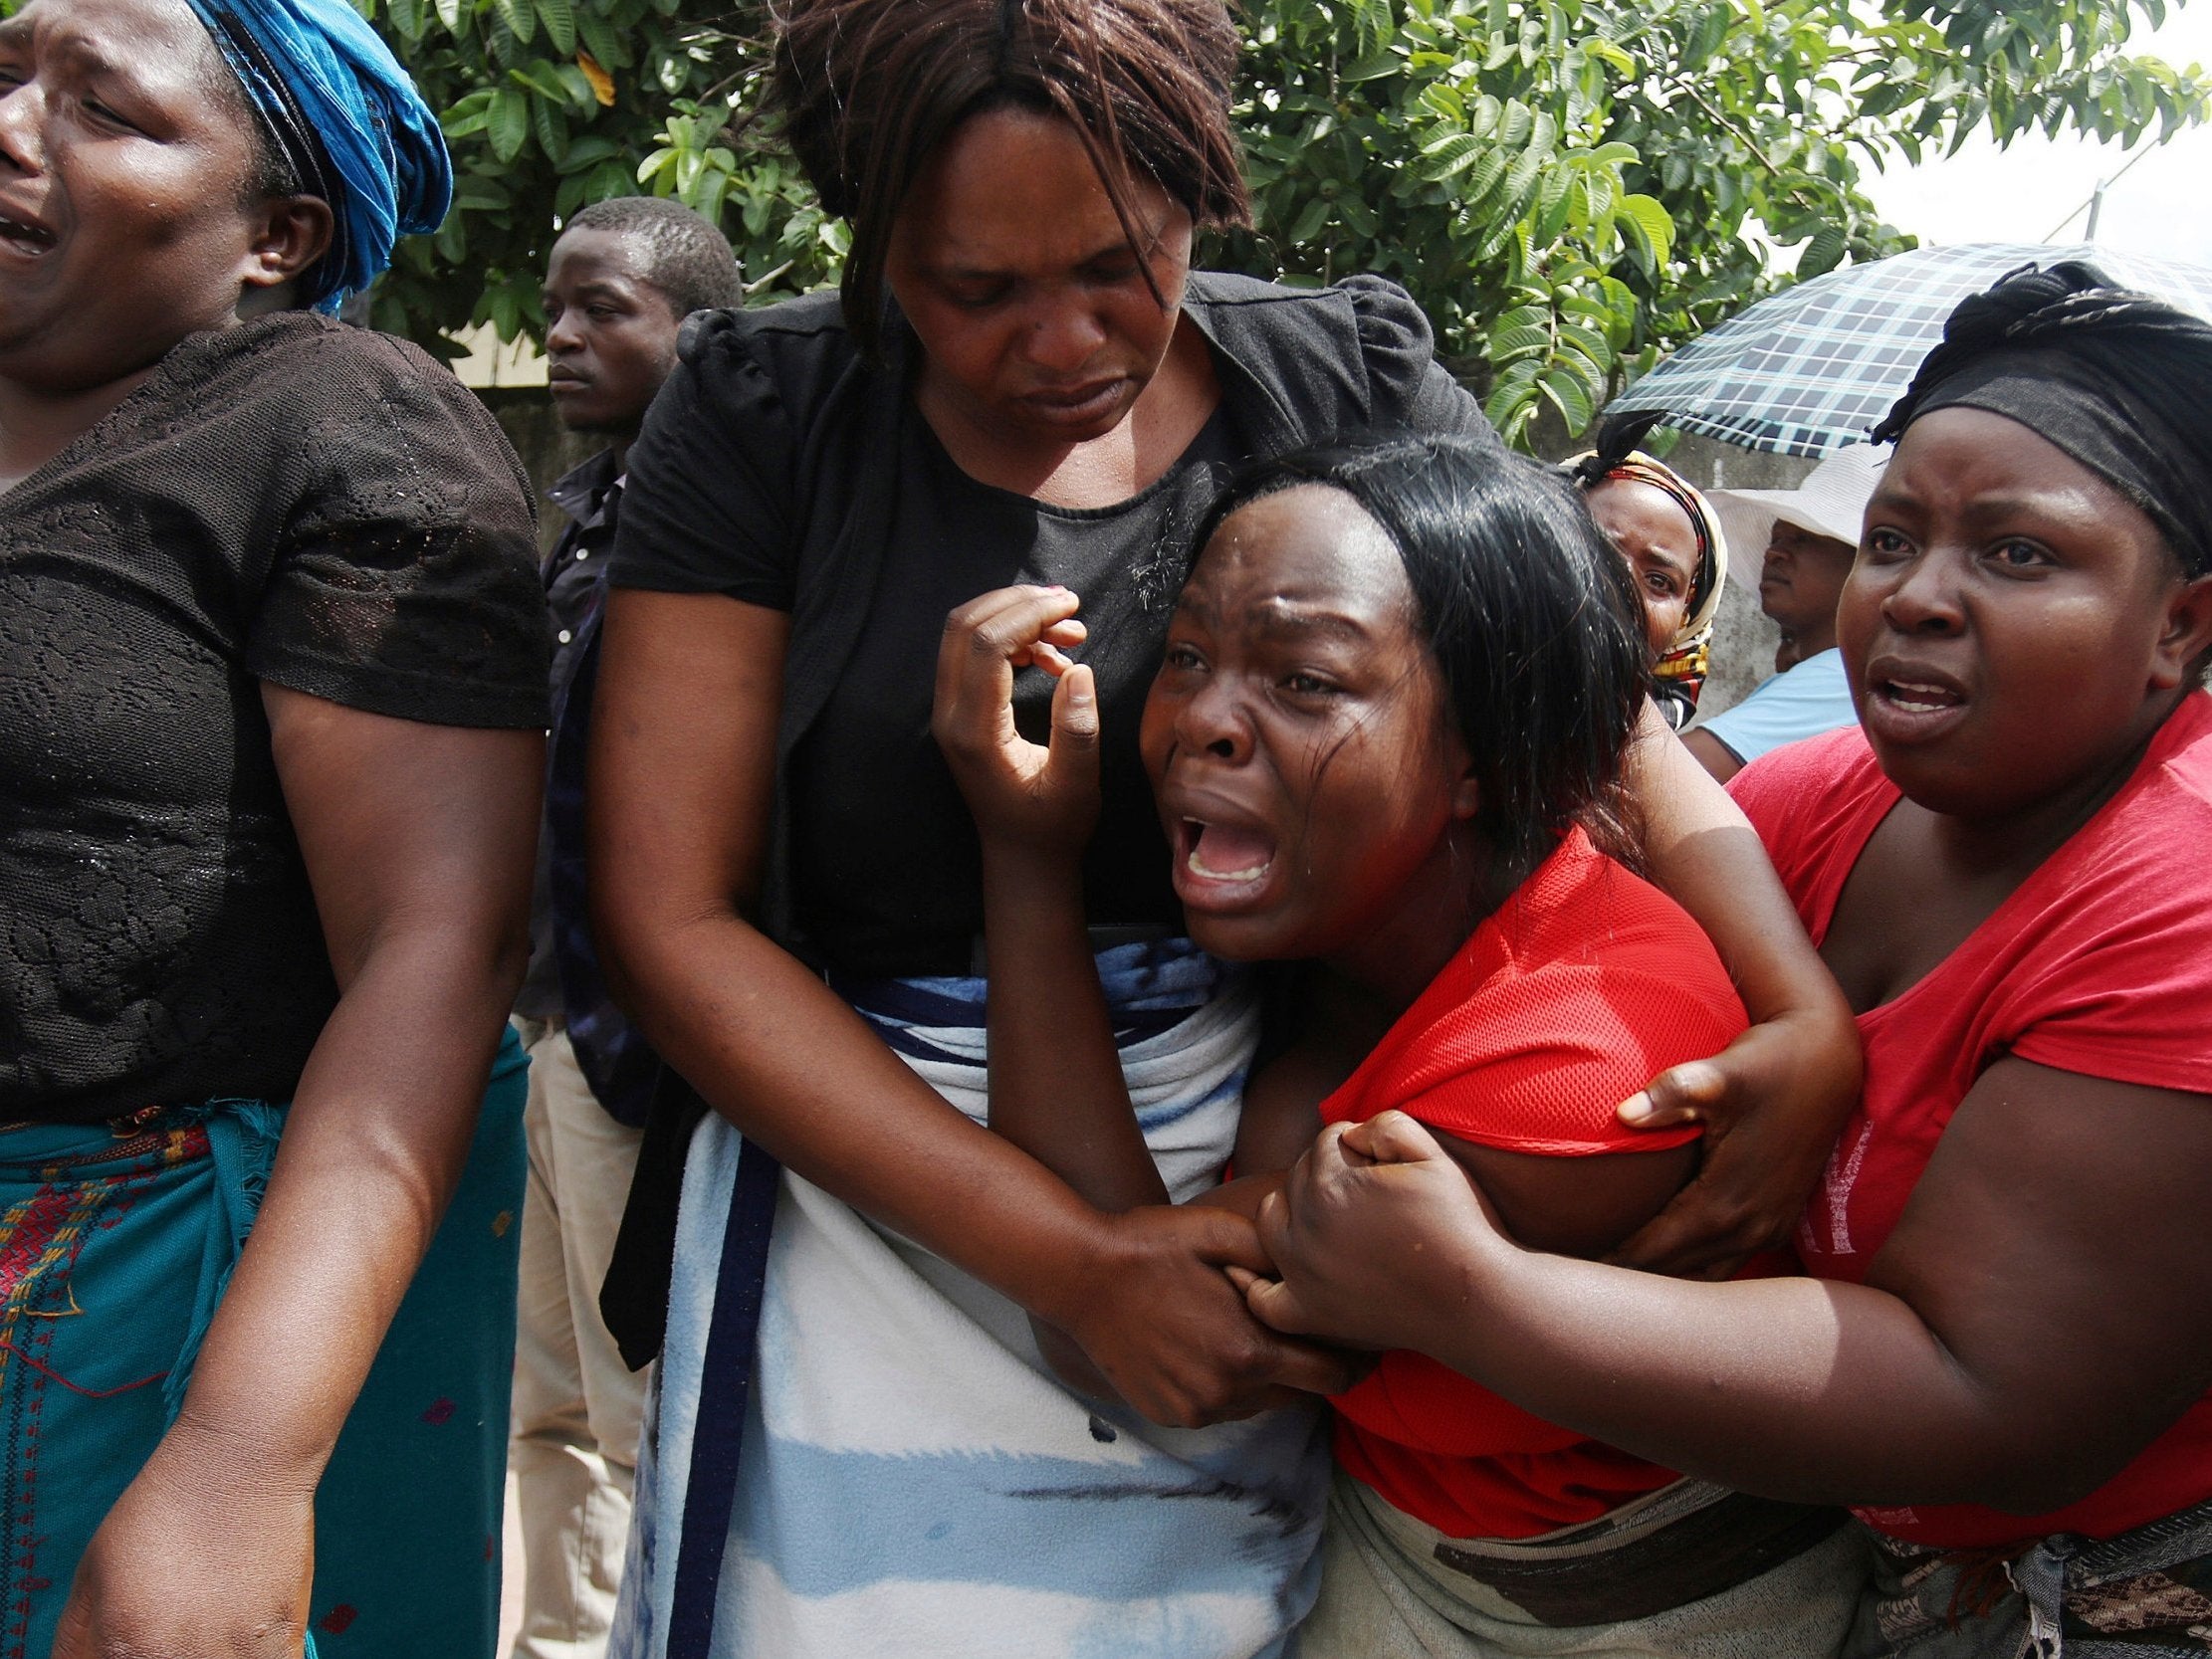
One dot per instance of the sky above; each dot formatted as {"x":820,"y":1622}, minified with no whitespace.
{"x":2162,"y":207}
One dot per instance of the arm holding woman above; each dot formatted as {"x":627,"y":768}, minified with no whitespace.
{"x":680,"y":812}
{"x":2002,"y":1351}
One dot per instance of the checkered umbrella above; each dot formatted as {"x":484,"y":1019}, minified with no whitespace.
{"x":1813,"y":368}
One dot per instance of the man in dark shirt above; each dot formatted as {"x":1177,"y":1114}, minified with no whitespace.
{"x":622,"y":278}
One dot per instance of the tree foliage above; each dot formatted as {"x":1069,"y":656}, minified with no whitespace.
{"x":1569,"y":186}
{"x":1573,"y":186}
{"x":551,"y":104}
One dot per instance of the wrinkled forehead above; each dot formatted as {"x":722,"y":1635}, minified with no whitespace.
{"x":1308,"y":550}
{"x":1630,"y":506}
{"x":147,"y":40}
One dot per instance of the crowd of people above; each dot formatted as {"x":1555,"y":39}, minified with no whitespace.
{"x":1139,"y":1024}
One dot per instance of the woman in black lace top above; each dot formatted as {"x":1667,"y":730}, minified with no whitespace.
{"x":271,"y":672}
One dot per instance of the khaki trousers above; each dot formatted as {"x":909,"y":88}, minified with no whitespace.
{"x":576,"y":1405}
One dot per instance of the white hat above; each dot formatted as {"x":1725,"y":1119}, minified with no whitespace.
{"x":1832,"y":502}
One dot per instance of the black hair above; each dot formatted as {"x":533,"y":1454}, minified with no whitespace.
{"x":687,"y":261}
{"x":1527,"y":611}
{"x":866,"y":90}
{"x":269,"y":176}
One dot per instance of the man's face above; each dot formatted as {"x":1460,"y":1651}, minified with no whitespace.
{"x":610,"y":334}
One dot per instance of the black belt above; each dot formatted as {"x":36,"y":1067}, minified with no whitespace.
{"x":1714,"y":1549}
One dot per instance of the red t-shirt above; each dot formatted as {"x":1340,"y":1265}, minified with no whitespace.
{"x":1581,"y":990}
{"x":2099,"y":963}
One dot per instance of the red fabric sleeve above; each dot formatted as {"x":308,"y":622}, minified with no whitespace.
{"x":1560,"y":1049}
{"x":2116,"y":977}
{"x":1582,"y":988}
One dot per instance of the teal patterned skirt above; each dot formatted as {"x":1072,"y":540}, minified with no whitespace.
{"x":115,"y":1246}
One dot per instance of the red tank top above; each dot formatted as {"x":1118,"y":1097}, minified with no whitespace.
{"x":2099,"y":963}
{"x":1586,"y":985}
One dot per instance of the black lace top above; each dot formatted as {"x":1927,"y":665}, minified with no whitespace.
{"x":291,"y":500}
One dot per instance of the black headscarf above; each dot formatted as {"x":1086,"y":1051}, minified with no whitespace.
{"x":2120,"y":381}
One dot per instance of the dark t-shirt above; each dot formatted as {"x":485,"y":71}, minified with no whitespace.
{"x":292,"y":501}
{"x":886,"y":857}
{"x":885,"y":865}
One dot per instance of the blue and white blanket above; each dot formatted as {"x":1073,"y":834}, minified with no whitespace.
{"x":913,"y":1480}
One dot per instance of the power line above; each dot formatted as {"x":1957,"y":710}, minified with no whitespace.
{"x":2096,"y":200}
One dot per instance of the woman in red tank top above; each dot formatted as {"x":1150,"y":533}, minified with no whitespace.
{"x":1397,"y":691}
{"x":2004,"y":1362}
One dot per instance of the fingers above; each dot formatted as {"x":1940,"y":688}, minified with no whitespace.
{"x":1075,"y":714}
{"x":1701,"y":1234}
{"x":1686,"y":1094}
{"x":1224,"y":1238}
{"x":1275,"y":1303}
{"x":1307,"y":1366}
{"x":984,"y":642}
{"x":1392,"y":1138}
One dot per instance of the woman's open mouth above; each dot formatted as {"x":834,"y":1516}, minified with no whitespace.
{"x":1216,"y":864}
{"x":19,"y":236}
{"x":1906,"y":705}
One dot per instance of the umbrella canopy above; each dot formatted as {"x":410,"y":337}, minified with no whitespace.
{"x":1809,"y":370}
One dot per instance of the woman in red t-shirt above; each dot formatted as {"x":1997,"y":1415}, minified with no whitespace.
{"x":2004,"y":1362}
{"x":1397,"y":692}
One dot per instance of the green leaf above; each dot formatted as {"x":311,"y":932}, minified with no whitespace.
{"x":475,"y":193}
{"x":1483,"y":182}
{"x":1575,"y":401}
{"x":1823,"y":254}
{"x":519,"y":17}
{"x":509,"y":122}
{"x":1309,"y":223}
{"x":1654,"y":222}
{"x":1506,"y":344}
{"x":1454,"y":155}
{"x":551,"y":127}
{"x":1513,"y":388}
{"x":537,"y":76}
{"x":589,"y":151}
{"x":601,"y":39}
{"x":559,"y":19}
{"x":1591,"y":344}
{"x":507,"y":311}
{"x":1373,"y":66}
{"x":1609,"y":54}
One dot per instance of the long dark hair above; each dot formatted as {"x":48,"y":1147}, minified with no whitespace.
{"x":865,"y":89}
{"x":1529,"y":612}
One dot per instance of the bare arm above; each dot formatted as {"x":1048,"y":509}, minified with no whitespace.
{"x":682,"y":775}
{"x":2034,"y":1321}
{"x":417,"y":840}
{"x":1712,"y":755}
{"x":1774,"y":1100}
{"x":1056,"y":1088}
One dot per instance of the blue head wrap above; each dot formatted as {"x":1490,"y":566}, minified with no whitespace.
{"x":350,"y":121}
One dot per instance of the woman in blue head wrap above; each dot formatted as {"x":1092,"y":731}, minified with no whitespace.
{"x":271,"y":683}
